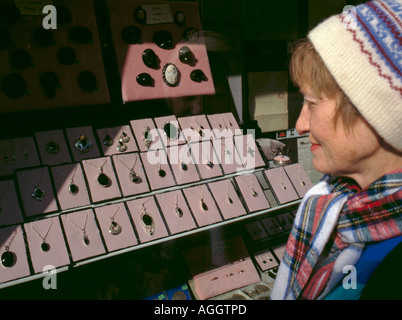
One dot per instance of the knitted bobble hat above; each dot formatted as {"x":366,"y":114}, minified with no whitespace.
{"x":362,"y":49}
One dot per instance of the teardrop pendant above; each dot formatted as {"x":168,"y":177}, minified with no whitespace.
{"x":229,"y":199}
{"x":134,"y":177}
{"x":179,"y":212}
{"x":183,"y":166}
{"x":85,"y":239}
{"x":107,"y":140}
{"x":148,"y":223}
{"x":204,"y":206}
{"x":161,"y":173}
{"x":8,"y":259}
{"x":124,"y":137}
{"x":114,"y":228}
{"x":103,"y":180}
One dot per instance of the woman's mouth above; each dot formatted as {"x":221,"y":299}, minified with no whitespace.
{"x":314,"y":146}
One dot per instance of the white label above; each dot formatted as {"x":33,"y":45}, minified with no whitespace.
{"x":158,"y":13}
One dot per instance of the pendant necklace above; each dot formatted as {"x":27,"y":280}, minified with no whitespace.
{"x":124,"y":137}
{"x":178,"y":211}
{"x":299,"y":177}
{"x":83,"y":144}
{"x":203,"y":205}
{"x":161,"y":172}
{"x":283,"y":186}
{"x":228,"y":198}
{"x":146,"y":137}
{"x":147,"y":220}
{"x":132,"y":176}
{"x":72,"y":187}
{"x":4,"y":194}
{"x":85,"y":239}
{"x":38,"y":193}
{"x":8,"y":258}
{"x":107,"y":140}
{"x":183,"y":165}
{"x":254,"y":193}
{"x":102,"y":179}
{"x":114,"y":227}
{"x":200,"y":128}
{"x":45,"y":247}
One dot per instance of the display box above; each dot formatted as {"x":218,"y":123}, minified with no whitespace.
{"x":10,"y":211}
{"x":83,"y":236}
{"x":176,"y":212}
{"x":182,"y":164}
{"x":70,"y":185}
{"x":252,"y":192}
{"x":206,"y":159}
{"x":131,"y":174}
{"x":18,"y":153}
{"x":147,"y":134}
{"x":116,"y":226}
{"x":46,"y":244}
{"x":36,"y":191}
{"x":147,"y":219}
{"x":116,"y":140}
{"x":227,"y":199}
{"x":266,"y":260}
{"x":82,"y":143}
{"x":101,"y":178}
{"x":281,"y":185}
{"x":157,"y":169}
{"x":202,"y":205}
{"x":53,"y":147}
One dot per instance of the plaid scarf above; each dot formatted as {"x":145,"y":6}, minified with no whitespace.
{"x":334,"y":222}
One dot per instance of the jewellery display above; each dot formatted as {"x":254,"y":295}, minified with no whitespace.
{"x":73,"y":189}
{"x":177,"y":210}
{"x":83,"y":144}
{"x":147,"y":220}
{"x":85,"y":238}
{"x":8,"y":258}
{"x":52,"y":147}
{"x":171,"y":131}
{"x":102,"y":179}
{"x":132,"y":176}
{"x":203,"y":205}
{"x":114,"y":227}
{"x":38,"y":193}
{"x":45,"y":247}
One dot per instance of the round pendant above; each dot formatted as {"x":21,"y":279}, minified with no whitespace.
{"x":114,"y":228}
{"x":183,"y":166}
{"x":145,"y":79}
{"x":171,"y":75}
{"x":8,"y":259}
{"x":170,"y":131}
{"x":45,"y":247}
{"x":124,"y":137}
{"x":204,"y":206}
{"x":179,"y":212}
{"x":103,"y":180}
{"x":83,"y":144}
{"x":134,"y":177}
{"x":73,"y":189}
{"x":121,"y":147}
{"x":38,"y":194}
{"x":107,"y":141}
{"x":52,"y":147}
{"x":162,"y":173}
{"x":198,"y":75}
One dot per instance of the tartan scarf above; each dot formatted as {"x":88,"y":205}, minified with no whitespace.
{"x":334,"y":222}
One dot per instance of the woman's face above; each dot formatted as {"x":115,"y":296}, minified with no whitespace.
{"x":334,"y":150}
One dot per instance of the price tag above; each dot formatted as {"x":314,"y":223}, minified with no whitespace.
{"x":158,"y":13}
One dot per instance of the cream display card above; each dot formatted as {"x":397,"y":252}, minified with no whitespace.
{"x":116,"y":226}
{"x":176,"y":212}
{"x":157,"y":169}
{"x":227,"y":199}
{"x":46,"y":244}
{"x":70,"y":185}
{"x":147,"y":219}
{"x":83,"y":235}
{"x":202,"y":205}
{"x":131,"y":174}
{"x":281,"y":185}
{"x":252,"y":192}
{"x":206,"y":159}
{"x":117,"y":140}
{"x":301,"y":181}
{"x":147,"y":134}
{"x":82,"y":143}
{"x":182,"y":164}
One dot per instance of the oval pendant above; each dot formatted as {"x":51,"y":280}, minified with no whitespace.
{"x":162,"y":173}
{"x":150,"y":59}
{"x":179,"y":212}
{"x":171,"y":75}
{"x":204,"y":206}
{"x":45,"y":247}
{"x":73,"y":189}
{"x":8,"y":259}
{"x":52,"y":147}
{"x":38,"y":194}
{"x":229,"y":199}
{"x":85,"y":240}
{"x":148,"y":223}
{"x":134,"y":177}
{"x":183,"y":166}
{"x":114,"y":228}
{"x":107,"y":140}
{"x":103,"y":180}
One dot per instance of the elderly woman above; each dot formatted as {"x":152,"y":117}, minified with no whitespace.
{"x":348,"y":228}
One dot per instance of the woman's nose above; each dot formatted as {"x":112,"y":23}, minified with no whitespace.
{"x":303,"y":122}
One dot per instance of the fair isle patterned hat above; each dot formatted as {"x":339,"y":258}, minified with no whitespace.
{"x":362,"y":48}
